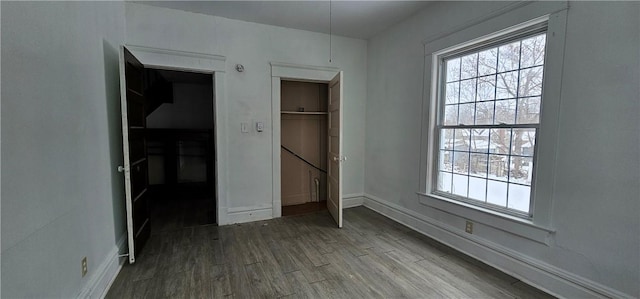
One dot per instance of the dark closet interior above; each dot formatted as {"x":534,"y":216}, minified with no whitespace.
{"x":180,"y":149}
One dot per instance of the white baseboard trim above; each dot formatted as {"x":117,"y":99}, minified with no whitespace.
{"x":258,"y":213}
{"x":352,"y":200}
{"x":105,"y":273}
{"x":544,"y":276}
{"x":248,"y":214}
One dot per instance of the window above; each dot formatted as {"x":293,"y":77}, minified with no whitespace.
{"x":489,"y":104}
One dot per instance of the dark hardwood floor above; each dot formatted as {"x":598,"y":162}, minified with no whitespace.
{"x":308,"y":257}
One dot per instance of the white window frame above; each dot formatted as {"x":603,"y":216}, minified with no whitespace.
{"x":468,"y":48}
{"x":536,"y":227}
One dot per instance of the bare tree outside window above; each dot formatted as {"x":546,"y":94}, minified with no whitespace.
{"x":490,"y":116}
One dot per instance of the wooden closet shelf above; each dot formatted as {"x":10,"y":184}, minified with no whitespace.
{"x":304,"y":113}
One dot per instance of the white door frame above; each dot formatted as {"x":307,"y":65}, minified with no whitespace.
{"x":207,"y":64}
{"x":290,"y":72}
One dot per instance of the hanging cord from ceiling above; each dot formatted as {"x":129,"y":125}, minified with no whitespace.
{"x":330,"y":21}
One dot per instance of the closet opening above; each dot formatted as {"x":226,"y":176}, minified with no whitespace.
{"x":180,"y":148}
{"x":304,"y":152}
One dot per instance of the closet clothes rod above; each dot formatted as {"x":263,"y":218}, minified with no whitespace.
{"x":301,"y":158}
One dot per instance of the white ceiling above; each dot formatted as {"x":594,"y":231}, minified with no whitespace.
{"x":358,"y":19}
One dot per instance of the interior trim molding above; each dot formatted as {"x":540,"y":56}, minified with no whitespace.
{"x":248,"y":214}
{"x":303,"y":72}
{"x":542,"y":275}
{"x":554,"y":14}
{"x":191,"y":61}
{"x":293,"y":72}
{"x":352,"y":200}
{"x":505,"y":223}
{"x":278,"y":67}
{"x":106,"y":273}
{"x":503,"y":10}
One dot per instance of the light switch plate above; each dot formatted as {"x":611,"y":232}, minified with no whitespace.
{"x":259,"y":126}
{"x":244,"y":127}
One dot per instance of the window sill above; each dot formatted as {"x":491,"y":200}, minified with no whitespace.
{"x":507,"y":223}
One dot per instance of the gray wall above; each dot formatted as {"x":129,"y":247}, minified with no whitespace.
{"x":60,"y":125}
{"x":595,"y":199}
{"x":249,"y":93}
{"x":61,"y":143}
{"x":61,"y":132}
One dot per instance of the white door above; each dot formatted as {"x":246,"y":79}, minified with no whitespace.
{"x":134,"y":149}
{"x":334,"y":171}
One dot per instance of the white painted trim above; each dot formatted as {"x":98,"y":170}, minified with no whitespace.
{"x":178,"y":60}
{"x":559,"y":5}
{"x":221,"y":146}
{"x":507,"y":223}
{"x":294,"y":72}
{"x":248,"y":214}
{"x":352,"y":200}
{"x":477,"y":21}
{"x":515,"y":18}
{"x":208,"y":64}
{"x":303,"y":72}
{"x":542,"y":275}
{"x":276,"y":162}
{"x":106,"y":273}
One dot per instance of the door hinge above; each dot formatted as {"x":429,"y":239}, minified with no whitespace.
{"x":340,"y":159}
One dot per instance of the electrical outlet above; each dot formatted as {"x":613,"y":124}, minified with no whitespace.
{"x":84,"y":266}
{"x":469,"y":227}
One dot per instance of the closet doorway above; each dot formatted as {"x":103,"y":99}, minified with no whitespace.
{"x":304,"y":136}
{"x":180,"y":149}
{"x":333,"y":79}
{"x":169,"y":103}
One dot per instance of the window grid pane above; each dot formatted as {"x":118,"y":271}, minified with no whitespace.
{"x":498,"y":90}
